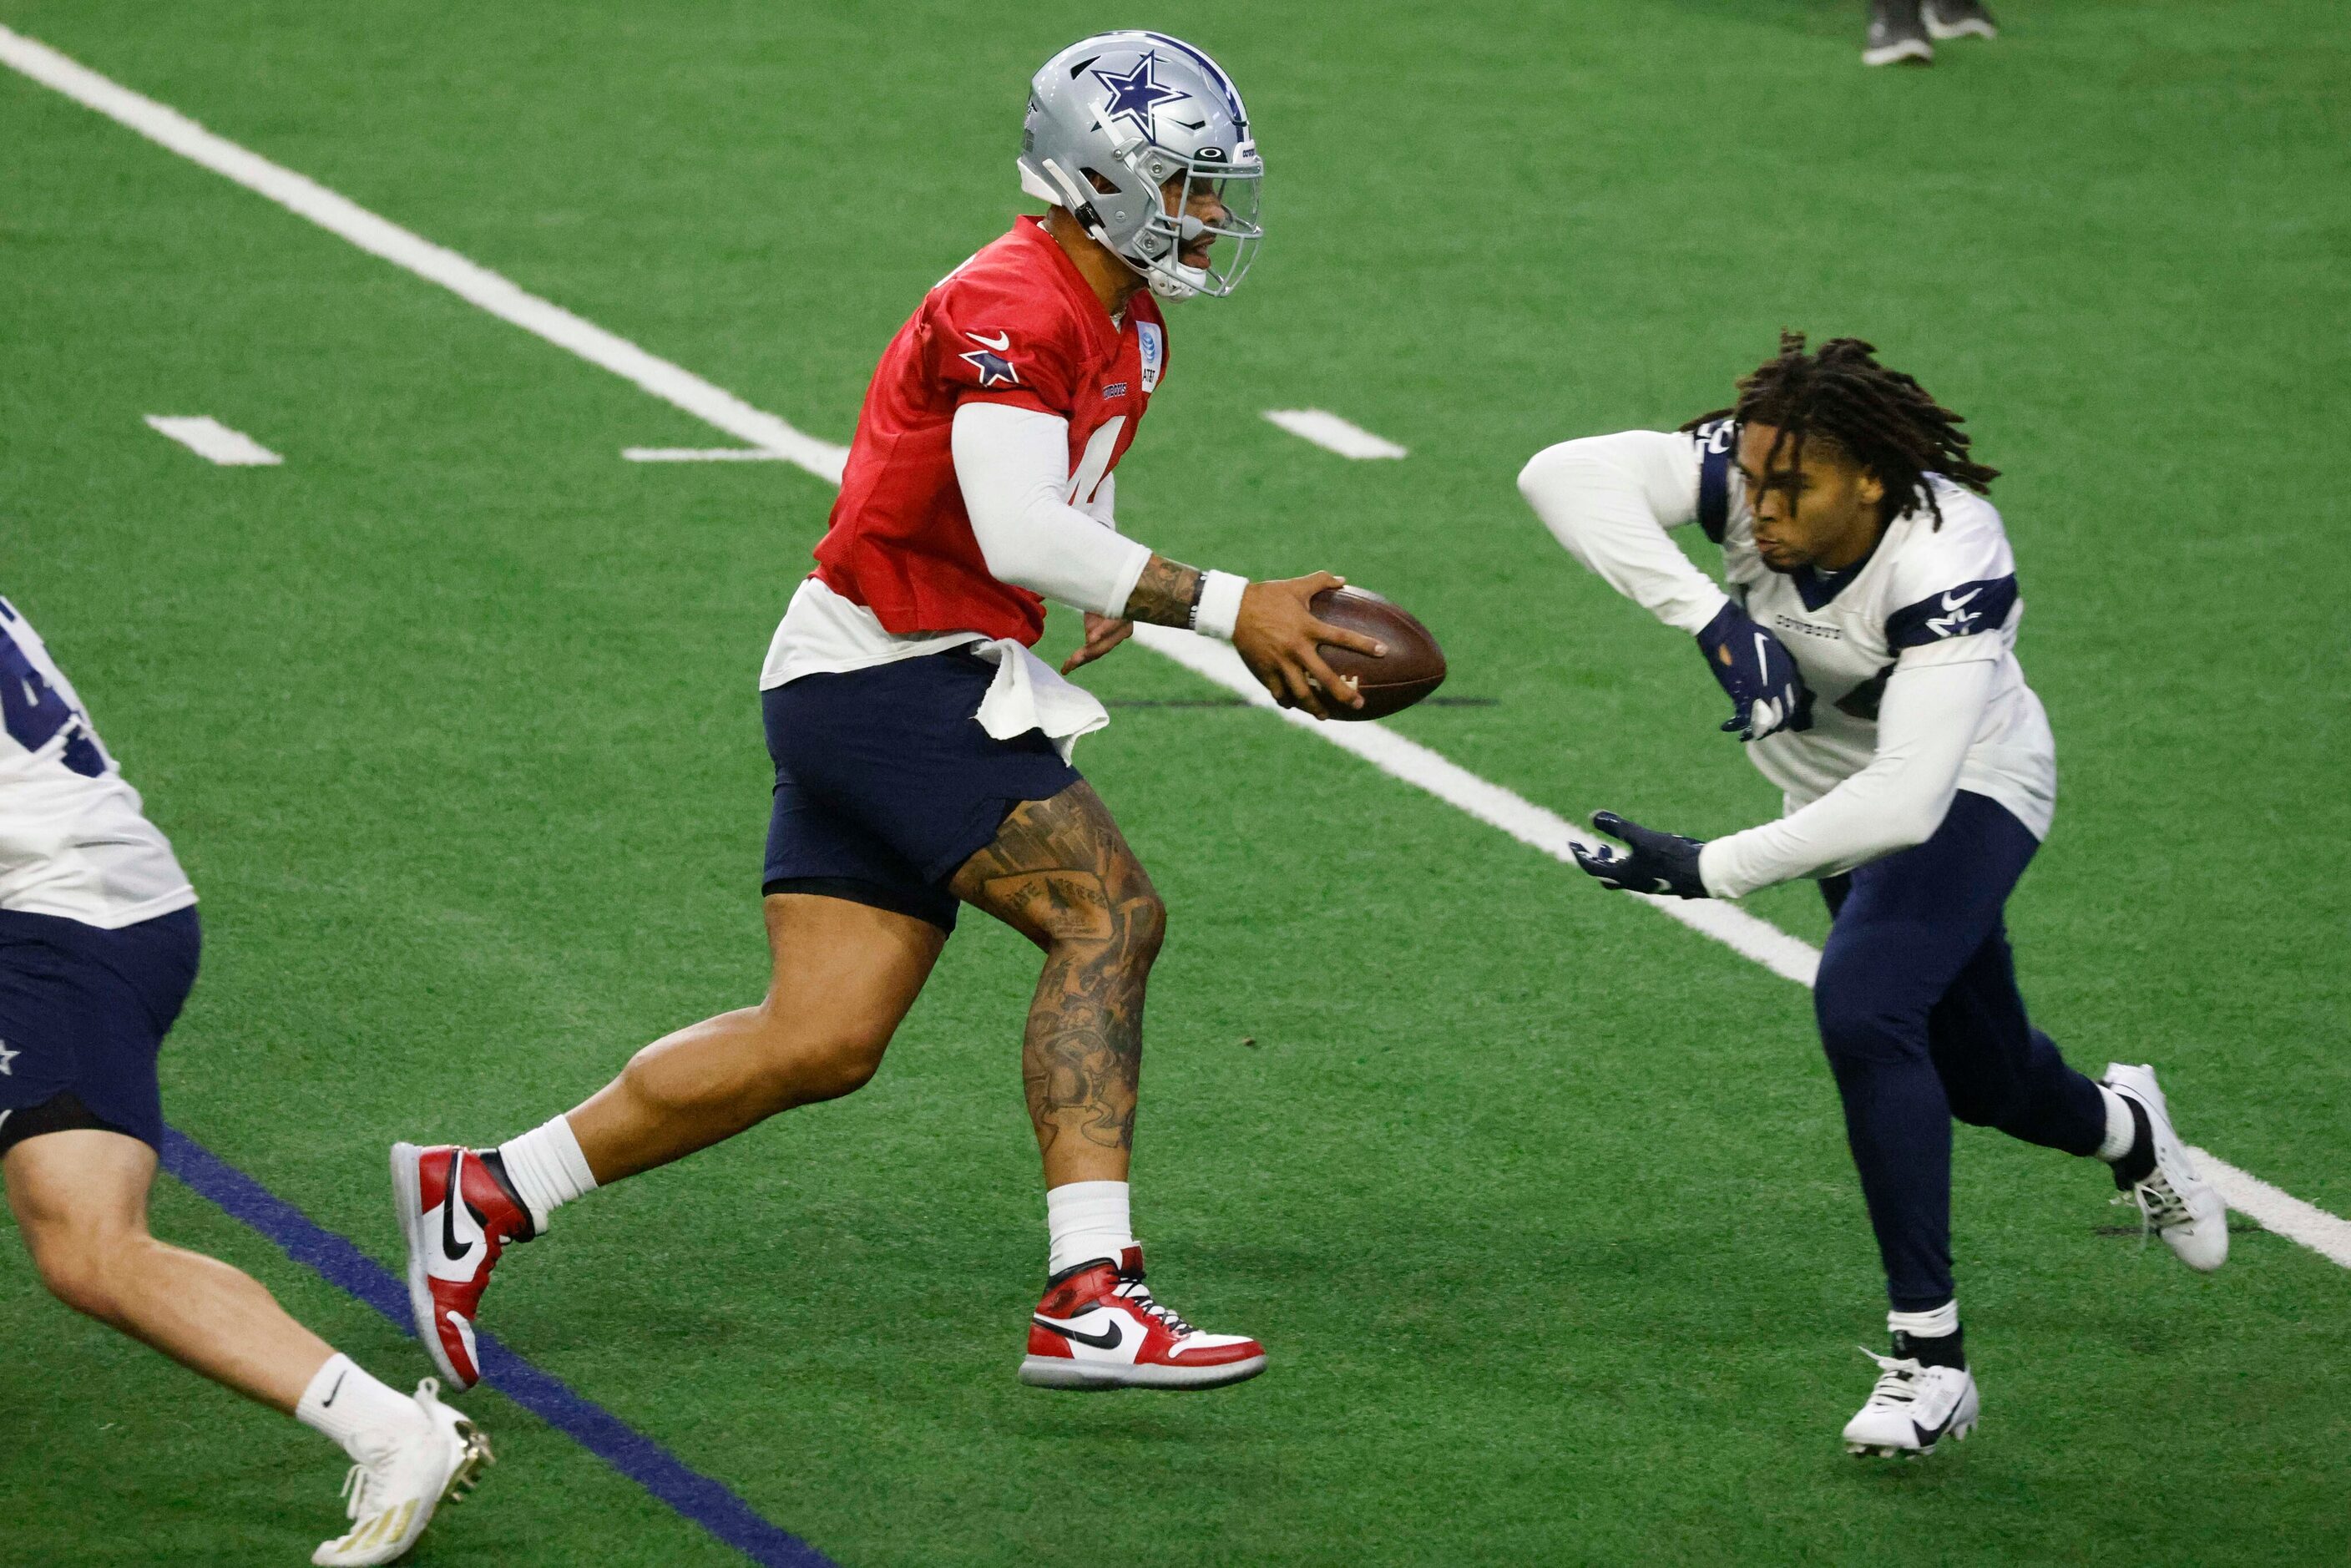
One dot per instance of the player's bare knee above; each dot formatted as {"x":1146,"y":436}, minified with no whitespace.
{"x":82,"y":1268}
{"x":1145,"y":918}
{"x":797,"y":1065}
{"x":1126,"y":938}
{"x":840,"y":1067}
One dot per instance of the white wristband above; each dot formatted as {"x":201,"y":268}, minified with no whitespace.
{"x":1220,"y":604}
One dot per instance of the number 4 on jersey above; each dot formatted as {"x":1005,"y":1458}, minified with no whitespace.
{"x":34,"y":712}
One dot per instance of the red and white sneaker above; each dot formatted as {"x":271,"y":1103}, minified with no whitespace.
{"x":457,"y":1216}
{"x":1099,"y":1328}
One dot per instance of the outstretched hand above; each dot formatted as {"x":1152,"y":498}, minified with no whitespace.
{"x":1280,"y":639}
{"x":1758,"y":673}
{"x":1104,"y":633}
{"x":1657,"y":862}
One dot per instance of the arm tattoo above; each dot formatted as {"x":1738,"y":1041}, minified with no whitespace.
{"x":1163,"y":594}
{"x":1061,"y":874}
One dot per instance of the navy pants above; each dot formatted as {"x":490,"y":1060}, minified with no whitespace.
{"x":1922,"y":1021}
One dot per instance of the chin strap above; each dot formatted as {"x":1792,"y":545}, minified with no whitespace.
{"x":1056,"y":186}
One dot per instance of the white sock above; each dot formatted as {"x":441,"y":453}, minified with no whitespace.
{"x":1944,"y":1320}
{"x":1088,"y":1220}
{"x":365,"y":1417}
{"x":2122,"y":1127}
{"x":547,"y":1169}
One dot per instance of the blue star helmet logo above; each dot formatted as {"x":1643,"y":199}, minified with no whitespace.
{"x":994,"y":370}
{"x":1134,"y":96}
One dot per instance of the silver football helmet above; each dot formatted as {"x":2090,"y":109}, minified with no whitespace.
{"x":1132,"y":112}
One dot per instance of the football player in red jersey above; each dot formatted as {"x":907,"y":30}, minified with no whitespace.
{"x":922,"y":750}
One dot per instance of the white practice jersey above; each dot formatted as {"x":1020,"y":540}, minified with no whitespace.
{"x":1922,"y":632}
{"x":1925,"y":596}
{"x":74,"y":841}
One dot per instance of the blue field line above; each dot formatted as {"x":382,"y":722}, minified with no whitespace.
{"x":709,"y":1503}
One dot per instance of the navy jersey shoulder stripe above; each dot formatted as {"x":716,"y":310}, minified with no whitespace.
{"x":1714,"y":439}
{"x":1965,"y":611}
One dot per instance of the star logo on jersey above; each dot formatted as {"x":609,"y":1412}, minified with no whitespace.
{"x":995,"y":370}
{"x":1134,"y":97}
{"x":7,"y":1056}
{"x":1956,"y":620}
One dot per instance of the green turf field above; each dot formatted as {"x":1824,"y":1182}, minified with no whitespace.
{"x":1540,"y":1201}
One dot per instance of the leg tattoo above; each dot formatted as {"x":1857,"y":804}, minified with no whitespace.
{"x":1062,"y":874}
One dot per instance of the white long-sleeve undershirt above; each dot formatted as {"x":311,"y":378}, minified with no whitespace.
{"x":1609,"y":499}
{"x":1013,"y":466}
{"x":1926,"y":721}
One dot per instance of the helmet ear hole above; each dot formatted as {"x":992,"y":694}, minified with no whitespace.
{"x":1101,"y":184}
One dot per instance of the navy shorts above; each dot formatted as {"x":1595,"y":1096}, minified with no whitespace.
{"x":83,"y":1012}
{"x":886,"y":782}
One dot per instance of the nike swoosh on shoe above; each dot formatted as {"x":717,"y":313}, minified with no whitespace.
{"x":1928,"y":1438}
{"x":1110,"y":1339}
{"x":449,"y":1247}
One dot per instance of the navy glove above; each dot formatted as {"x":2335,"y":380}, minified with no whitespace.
{"x":1767,"y":693}
{"x":1658,"y":862}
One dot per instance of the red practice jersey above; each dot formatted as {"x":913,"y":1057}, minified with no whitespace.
{"x":1016,"y":324}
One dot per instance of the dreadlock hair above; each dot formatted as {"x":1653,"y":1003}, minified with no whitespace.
{"x":1882,"y":419}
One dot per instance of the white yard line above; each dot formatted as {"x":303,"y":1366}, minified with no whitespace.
{"x":215,"y":443}
{"x":1330,"y":433}
{"x":1415,"y":764}
{"x":704,"y":455}
{"x":474,"y":283}
{"x":2277,"y":1209}
{"x":1489,"y":803}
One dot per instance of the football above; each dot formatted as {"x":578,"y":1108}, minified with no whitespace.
{"x":1412,"y":667}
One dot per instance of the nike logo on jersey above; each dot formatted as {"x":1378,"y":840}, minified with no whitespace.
{"x":1001,"y":342}
{"x":1962,"y":610}
{"x":1110,"y":1339}
{"x":1956,"y":618}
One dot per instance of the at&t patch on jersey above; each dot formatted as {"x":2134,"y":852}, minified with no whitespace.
{"x":1154,"y":354}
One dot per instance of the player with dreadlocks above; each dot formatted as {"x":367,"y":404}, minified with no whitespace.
{"x":1867,"y":640}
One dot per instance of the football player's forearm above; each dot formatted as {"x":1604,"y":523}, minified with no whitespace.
{"x":1609,"y":500}
{"x":1012,"y":465}
{"x":1926,"y":723}
{"x":1163,"y":595}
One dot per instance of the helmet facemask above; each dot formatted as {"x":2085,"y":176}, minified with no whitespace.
{"x":1237,"y":233}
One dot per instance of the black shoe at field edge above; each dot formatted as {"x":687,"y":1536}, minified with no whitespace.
{"x":1897,"y":32}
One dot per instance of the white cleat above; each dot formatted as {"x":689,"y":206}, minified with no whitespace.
{"x":1913,"y":1408}
{"x":2180,"y":1206}
{"x":1949,"y":19}
{"x":393,"y":1496}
